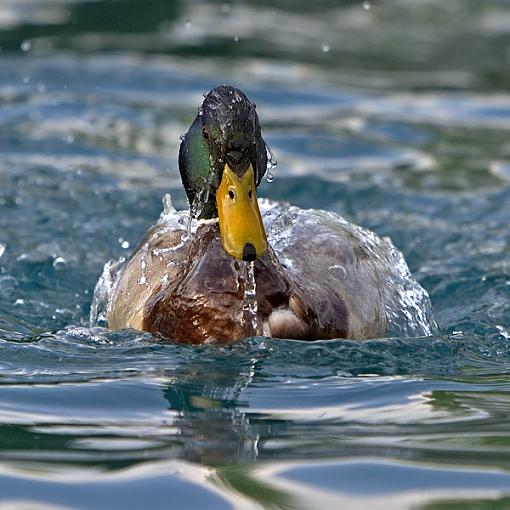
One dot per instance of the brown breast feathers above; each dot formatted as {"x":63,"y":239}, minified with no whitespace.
{"x":205,"y":300}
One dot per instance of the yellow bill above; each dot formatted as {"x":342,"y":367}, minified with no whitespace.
{"x":241,"y":228}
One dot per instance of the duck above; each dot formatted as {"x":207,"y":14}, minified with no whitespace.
{"x":284,"y":272}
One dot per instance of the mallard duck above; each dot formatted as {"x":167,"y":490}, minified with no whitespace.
{"x":223,"y":281}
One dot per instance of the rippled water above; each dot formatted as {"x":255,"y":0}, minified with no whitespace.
{"x":396,"y":117}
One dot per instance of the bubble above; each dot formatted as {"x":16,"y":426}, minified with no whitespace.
{"x":236,"y":38}
{"x":188,"y":23}
{"x":26,"y":45}
{"x":70,"y":139}
{"x":367,"y":5}
{"x":124,"y":243}
{"x":59,"y":263}
{"x":325,"y":48}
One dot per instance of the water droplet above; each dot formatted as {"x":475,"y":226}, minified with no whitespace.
{"x":123,"y":243}
{"x":188,"y":23}
{"x":168,"y":207}
{"x":367,"y":5}
{"x":26,"y":80}
{"x":339,"y":270}
{"x":59,"y":263}
{"x":26,"y":45}
{"x":70,"y":139}
{"x":41,"y":88}
{"x":236,"y":38}
{"x":225,"y":8}
{"x":325,"y":48}
{"x":271,"y":163}
{"x":181,"y":138}
{"x":2,"y":249}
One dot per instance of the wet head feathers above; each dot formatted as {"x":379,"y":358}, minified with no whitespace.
{"x":225,"y":131}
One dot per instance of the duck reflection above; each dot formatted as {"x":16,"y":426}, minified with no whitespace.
{"x":217,"y":431}
{"x":211,"y":418}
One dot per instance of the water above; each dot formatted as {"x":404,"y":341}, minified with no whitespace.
{"x":250,"y":296}
{"x":402,"y":127}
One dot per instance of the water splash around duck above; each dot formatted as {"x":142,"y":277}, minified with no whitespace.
{"x":404,"y":303}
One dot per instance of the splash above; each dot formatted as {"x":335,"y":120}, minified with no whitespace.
{"x":406,"y":303}
{"x":102,"y":291}
{"x":250,"y":307}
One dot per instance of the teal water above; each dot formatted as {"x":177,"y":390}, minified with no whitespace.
{"x":396,"y":117}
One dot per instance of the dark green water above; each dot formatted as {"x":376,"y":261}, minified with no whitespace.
{"x":397,"y":117}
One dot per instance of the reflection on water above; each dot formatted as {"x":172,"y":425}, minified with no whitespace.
{"x":262,"y":417}
{"x":401,"y":126}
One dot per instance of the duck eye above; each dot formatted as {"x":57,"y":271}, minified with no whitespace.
{"x":231,"y":194}
{"x":205,"y":134}
{"x":250,"y":194}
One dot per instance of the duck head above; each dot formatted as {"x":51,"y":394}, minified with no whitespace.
{"x":222,"y":160}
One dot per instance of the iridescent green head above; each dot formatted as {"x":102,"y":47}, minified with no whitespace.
{"x":222,"y":160}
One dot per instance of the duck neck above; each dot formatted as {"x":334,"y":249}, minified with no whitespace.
{"x":209,"y":211}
